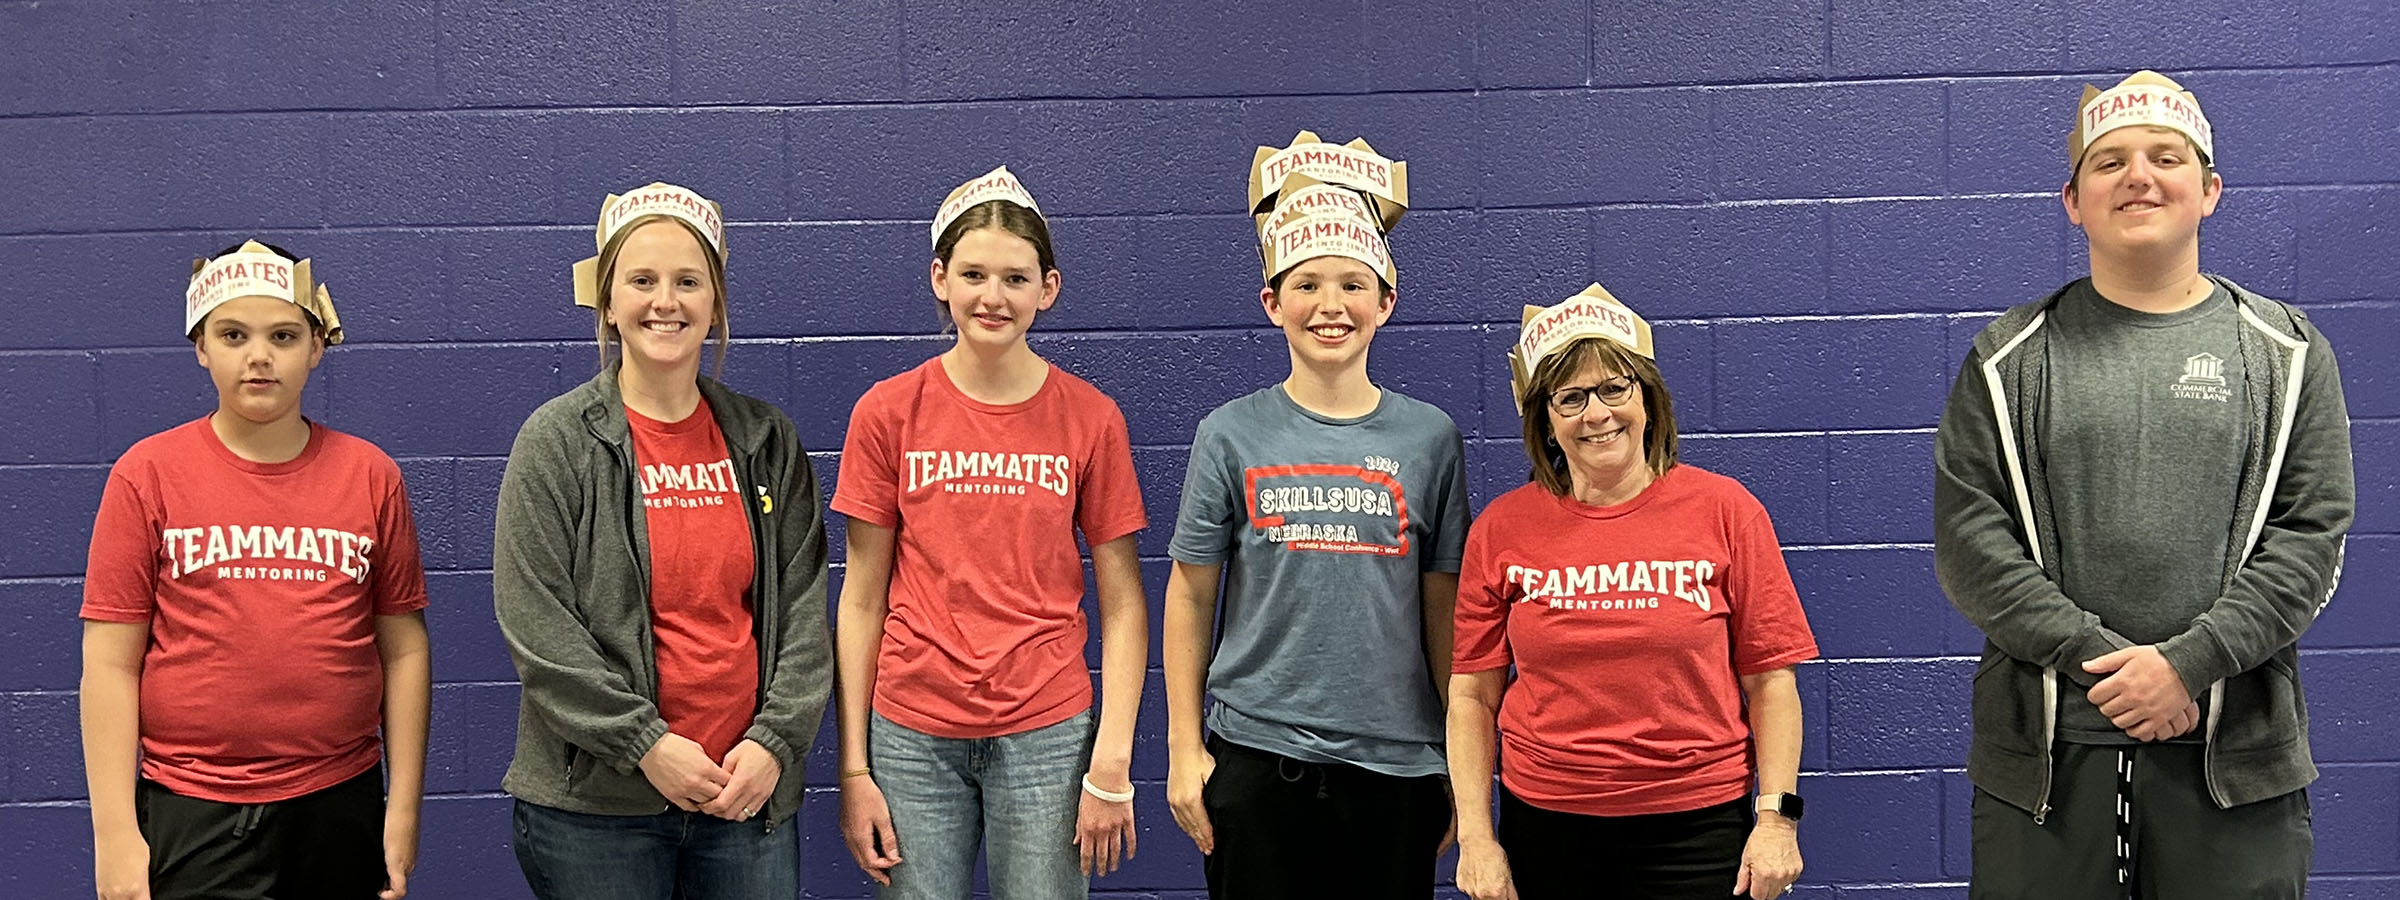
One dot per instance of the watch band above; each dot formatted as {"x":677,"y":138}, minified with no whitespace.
{"x":1787,"y":805}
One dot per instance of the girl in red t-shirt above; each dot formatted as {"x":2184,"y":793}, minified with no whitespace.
{"x":966,"y":701}
{"x":1653,"y":629}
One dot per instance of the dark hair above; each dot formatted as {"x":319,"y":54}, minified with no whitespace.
{"x":1550,"y":462}
{"x":1003,"y":215}
{"x":1006,"y":216}
{"x":314,"y":326}
{"x":608,"y":276}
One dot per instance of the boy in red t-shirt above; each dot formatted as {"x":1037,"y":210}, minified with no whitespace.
{"x":254,"y":636}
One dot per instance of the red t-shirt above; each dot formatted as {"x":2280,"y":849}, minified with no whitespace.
{"x":986,"y":631}
{"x":1629,"y":626}
{"x":260,"y":582}
{"x":701,"y":566}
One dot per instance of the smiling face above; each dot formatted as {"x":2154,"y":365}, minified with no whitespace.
{"x":2141,"y":190}
{"x":1328,"y":308}
{"x":662,"y":298}
{"x":992,"y":284}
{"x":259,"y":351}
{"x":1602,"y":443}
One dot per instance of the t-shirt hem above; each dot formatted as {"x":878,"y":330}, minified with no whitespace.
{"x":870,"y":515}
{"x":1675,"y":805}
{"x":404,"y":607}
{"x":1116,"y":530}
{"x":316,"y":781}
{"x":910,"y":720}
{"x":1482,"y":664}
{"x":1197,"y":559}
{"x":1778,"y":661}
{"x":120,"y":616}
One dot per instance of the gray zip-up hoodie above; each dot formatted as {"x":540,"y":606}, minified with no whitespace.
{"x":1996,"y":552}
{"x":571,"y":586}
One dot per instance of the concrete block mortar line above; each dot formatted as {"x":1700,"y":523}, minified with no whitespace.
{"x":1753,"y":84}
{"x":1145,"y":214}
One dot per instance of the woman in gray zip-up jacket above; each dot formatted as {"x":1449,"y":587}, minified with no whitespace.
{"x":674,"y":673}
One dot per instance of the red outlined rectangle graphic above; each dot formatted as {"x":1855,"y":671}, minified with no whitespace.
{"x":1251,"y":478}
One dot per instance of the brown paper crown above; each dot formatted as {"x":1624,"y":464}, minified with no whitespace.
{"x":2143,"y":98}
{"x":252,"y":270}
{"x":1545,"y":330}
{"x":1313,"y":219}
{"x":642,"y":204}
{"x":1354,"y":165}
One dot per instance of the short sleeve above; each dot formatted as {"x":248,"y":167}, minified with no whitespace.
{"x":866,"y":486}
{"x":1481,"y":620}
{"x":397,"y":582}
{"x":1449,"y":538}
{"x":120,"y":576}
{"x":1769,"y":630}
{"x":1205,"y":518}
{"x":1108,"y":503}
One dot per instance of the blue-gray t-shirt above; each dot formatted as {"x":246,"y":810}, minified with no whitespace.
{"x":1325,"y":528}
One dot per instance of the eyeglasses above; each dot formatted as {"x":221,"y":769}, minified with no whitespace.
{"x":1612,"y":393}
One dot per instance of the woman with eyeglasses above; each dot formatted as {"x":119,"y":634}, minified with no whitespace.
{"x":1653,"y":629}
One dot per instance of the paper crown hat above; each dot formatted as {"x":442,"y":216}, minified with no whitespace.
{"x":997,"y":184}
{"x":1353,"y":165}
{"x":252,"y":270}
{"x":1546,"y":330}
{"x":2143,"y":98}
{"x":621,"y":211}
{"x":1312,"y":219}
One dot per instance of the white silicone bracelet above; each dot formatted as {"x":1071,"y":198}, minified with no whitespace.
{"x":1124,"y":796}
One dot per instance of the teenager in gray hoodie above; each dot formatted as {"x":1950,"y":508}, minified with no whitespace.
{"x":658,"y":568}
{"x":2142,"y":483}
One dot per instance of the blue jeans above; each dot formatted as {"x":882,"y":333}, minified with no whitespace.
{"x":672,"y":855}
{"x":1017,"y":794}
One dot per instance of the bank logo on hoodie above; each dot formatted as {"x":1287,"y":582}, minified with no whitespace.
{"x":1330,"y":508}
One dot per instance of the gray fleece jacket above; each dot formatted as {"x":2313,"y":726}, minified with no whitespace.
{"x":1996,"y":551}
{"x":571,"y":584}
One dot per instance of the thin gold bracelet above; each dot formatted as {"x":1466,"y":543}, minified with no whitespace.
{"x":854,"y":773}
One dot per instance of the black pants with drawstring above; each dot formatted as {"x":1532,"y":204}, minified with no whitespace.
{"x":326,"y":845}
{"x":2135,"y":821}
{"x":1309,"y":831}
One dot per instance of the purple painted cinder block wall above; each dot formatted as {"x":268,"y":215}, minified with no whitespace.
{"x":1818,"y":202}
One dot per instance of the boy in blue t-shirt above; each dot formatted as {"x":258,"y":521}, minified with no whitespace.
{"x":1334,"y":514}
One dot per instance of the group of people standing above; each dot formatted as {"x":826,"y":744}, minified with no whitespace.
{"x":1615,"y":638}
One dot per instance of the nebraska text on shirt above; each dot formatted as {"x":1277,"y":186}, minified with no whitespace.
{"x":192,"y":549}
{"x":1047,"y":471}
{"x":1576,"y":587}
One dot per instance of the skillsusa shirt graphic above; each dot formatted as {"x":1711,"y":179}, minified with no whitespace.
{"x":1631,"y":584}
{"x":251,"y":552}
{"x":1331,"y":508}
{"x":987,"y":472}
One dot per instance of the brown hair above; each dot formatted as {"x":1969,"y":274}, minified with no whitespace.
{"x":2208,"y":166}
{"x":608,"y":276}
{"x":1549,"y":462}
{"x":1003,"y":215}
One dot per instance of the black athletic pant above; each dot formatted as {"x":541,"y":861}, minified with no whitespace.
{"x":1310,"y":831}
{"x":2178,"y":843}
{"x":328,"y":844}
{"x":1666,"y":856}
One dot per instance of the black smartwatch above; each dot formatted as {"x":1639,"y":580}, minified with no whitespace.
{"x":1786,"y":805}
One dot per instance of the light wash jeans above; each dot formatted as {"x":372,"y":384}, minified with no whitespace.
{"x":1017,"y":794}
